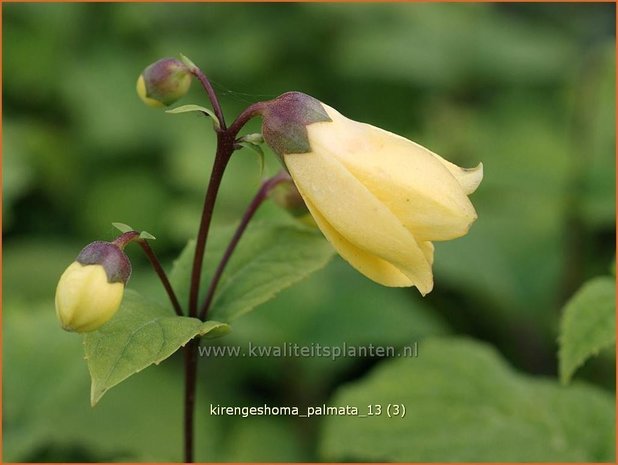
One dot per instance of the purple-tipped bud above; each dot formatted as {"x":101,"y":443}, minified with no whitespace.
{"x":285,"y":121}
{"x":90,"y":290}
{"x":164,"y":82}
{"x":113,"y":260}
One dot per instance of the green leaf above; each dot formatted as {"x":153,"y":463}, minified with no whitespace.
{"x":187,"y":61}
{"x":465,"y":404}
{"x":191,"y":107}
{"x":123,"y":228}
{"x":146,"y":235}
{"x":258,"y":151}
{"x":588,"y":324}
{"x":141,"y":333}
{"x":268,"y":259}
{"x":337,"y":297}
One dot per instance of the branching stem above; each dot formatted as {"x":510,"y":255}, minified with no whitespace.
{"x":226,"y":145}
{"x":156,"y":265}
{"x":260,"y":196}
{"x":134,"y":236}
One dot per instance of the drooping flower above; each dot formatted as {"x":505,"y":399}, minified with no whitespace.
{"x":380,"y":199}
{"x":90,"y":290}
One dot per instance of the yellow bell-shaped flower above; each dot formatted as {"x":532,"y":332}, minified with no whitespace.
{"x":380,"y":199}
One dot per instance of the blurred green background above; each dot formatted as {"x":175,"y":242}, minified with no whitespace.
{"x":528,"y":89}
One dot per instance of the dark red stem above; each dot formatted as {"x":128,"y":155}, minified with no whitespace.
{"x":260,"y":196}
{"x":133,"y":236}
{"x":156,"y":265}
{"x":225,"y":147}
{"x":190,"y":353}
{"x":212,"y":96}
{"x":249,"y":112}
{"x":125,"y":238}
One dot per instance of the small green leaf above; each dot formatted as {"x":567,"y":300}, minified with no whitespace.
{"x":146,"y":235}
{"x":187,"y":61}
{"x":141,"y":333}
{"x":268,"y":259}
{"x":123,"y":228}
{"x":588,"y":324}
{"x":191,"y":108}
{"x":258,"y":150}
{"x":464,"y":403}
{"x":255,"y":138}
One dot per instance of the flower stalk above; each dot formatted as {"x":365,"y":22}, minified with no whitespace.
{"x":156,"y":265}
{"x":134,"y":236}
{"x":261,"y":195}
{"x":212,"y":96}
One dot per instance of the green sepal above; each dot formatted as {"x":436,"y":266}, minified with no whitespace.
{"x":258,"y":150}
{"x":146,"y":235}
{"x":123,"y":228}
{"x":187,"y":61}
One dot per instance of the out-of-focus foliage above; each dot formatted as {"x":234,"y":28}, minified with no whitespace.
{"x":528,"y":89}
{"x":491,"y":412}
{"x":588,"y":324}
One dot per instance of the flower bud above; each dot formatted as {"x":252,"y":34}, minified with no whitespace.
{"x":286,"y":196}
{"x":91,"y":288}
{"x":164,"y":82}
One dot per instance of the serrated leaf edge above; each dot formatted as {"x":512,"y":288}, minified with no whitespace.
{"x":97,"y":392}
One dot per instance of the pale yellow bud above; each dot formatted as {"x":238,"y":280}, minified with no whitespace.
{"x":85,"y":300}
{"x":141,"y":92}
{"x":90,"y":290}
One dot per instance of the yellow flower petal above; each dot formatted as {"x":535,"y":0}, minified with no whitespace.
{"x":85,"y":300}
{"x":427,"y":248}
{"x":357,"y":215}
{"x":468,"y":178}
{"x":412,"y":183}
{"x":141,"y":92}
{"x":370,"y":265}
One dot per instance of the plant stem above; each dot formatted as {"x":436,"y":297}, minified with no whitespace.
{"x":212,"y":96}
{"x":156,"y":264}
{"x":242,"y":119}
{"x":258,"y":199}
{"x":133,"y":236}
{"x":125,"y":238}
{"x":225,"y":148}
{"x":190,"y":353}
